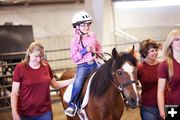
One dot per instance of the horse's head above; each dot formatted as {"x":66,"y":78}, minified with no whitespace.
{"x":124,"y":74}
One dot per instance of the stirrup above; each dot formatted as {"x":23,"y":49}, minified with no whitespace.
{"x":70,"y":111}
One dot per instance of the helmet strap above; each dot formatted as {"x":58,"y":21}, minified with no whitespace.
{"x":81,"y":33}
{"x":81,"y":41}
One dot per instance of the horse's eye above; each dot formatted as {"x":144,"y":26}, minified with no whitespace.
{"x":119,"y":72}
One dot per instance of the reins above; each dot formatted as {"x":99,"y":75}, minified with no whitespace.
{"x":102,"y":57}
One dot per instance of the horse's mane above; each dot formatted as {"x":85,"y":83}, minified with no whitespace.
{"x":102,"y":79}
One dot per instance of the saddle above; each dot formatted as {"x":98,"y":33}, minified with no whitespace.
{"x":67,"y":94}
{"x":84,"y":97}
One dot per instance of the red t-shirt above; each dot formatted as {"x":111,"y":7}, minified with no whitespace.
{"x":147,"y":75}
{"x":34,"y":93}
{"x":172,"y":96}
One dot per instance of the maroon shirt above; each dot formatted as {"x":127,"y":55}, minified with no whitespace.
{"x":172,"y":96}
{"x":147,"y":75}
{"x":34,"y":93}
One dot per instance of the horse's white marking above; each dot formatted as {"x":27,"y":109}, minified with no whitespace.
{"x":129,"y":69}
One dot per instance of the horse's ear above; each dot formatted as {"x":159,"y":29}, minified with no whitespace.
{"x":114,"y":53}
{"x":132,"y":50}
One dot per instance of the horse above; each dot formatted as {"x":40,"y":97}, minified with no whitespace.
{"x":113,"y":86}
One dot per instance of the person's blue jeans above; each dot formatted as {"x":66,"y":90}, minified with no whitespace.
{"x":149,"y":113}
{"x":46,"y":116}
{"x":81,"y":73}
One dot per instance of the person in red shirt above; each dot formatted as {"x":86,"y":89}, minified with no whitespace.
{"x":168,"y":73}
{"x":147,"y":75}
{"x":30,"y":96}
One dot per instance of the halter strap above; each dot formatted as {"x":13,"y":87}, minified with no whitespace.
{"x":120,"y":87}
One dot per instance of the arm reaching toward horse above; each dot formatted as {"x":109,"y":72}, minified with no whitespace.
{"x":59,"y":84}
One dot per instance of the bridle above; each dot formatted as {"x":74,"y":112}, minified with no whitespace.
{"x":115,"y":81}
{"x":121,"y":87}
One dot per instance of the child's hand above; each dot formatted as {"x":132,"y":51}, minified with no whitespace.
{"x":88,"y":48}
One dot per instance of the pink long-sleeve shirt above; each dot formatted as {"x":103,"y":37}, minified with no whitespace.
{"x":87,"y":40}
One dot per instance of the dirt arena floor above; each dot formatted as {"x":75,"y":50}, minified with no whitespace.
{"x":58,"y":112}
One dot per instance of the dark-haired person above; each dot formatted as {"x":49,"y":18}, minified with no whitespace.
{"x":147,"y":75}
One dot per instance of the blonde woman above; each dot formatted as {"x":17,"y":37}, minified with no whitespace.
{"x":30,"y":96}
{"x":169,"y":76}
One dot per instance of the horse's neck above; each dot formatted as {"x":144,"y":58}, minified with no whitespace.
{"x":113,"y":95}
{"x":114,"y":92}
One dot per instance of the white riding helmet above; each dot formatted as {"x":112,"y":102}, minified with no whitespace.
{"x":81,"y":17}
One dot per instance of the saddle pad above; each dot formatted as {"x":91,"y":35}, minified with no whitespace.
{"x":68,"y":92}
{"x":86,"y":97}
